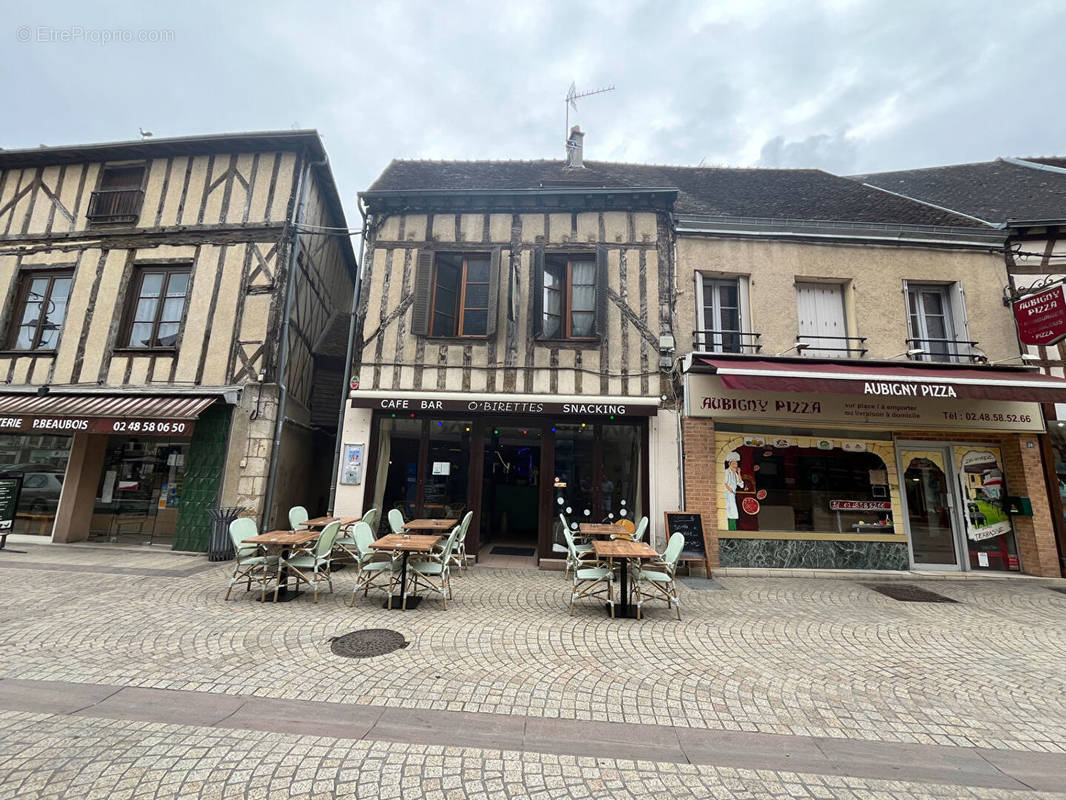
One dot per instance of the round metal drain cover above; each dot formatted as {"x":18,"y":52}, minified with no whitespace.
{"x":367,"y":643}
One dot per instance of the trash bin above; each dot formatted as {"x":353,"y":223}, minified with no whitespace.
{"x":221,"y":548}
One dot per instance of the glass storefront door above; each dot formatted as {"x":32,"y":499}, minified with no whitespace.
{"x":956,"y":511}
{"x":510,"y":492}
{"x":139,"y":493}
{"x":927,"y":496}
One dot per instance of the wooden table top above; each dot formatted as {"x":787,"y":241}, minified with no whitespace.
{"x":621,"y":548}
{"x":284,"y":538}
{"x":601,"y":529}
{"x":412,"y":544}
{"x":321,"y":522}
{"x":430,"y":524}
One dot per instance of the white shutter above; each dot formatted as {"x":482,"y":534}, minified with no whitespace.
{"x":820,"y":307}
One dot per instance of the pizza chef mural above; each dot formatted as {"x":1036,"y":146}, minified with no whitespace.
{"x":805,"y":483}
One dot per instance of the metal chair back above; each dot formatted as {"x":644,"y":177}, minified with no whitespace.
{"x":642,"y":528}
{"x":328,"y":537}
{"x":297,"y":514}
{"x":363,"y":535}
{"x":396,"y":520}
{"x":239,"y":530}
{"x":673,"y":552}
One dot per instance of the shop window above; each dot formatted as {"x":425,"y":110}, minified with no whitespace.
{"x":805,"y":484}
{"x":570,"y":293}
{"x":456,"y":294}
{"x":40,"y":310}
{"x":157,"y":307}
{"x":42,"y":463}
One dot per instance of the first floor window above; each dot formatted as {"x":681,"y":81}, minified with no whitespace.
{"x":41,"y":310}
{"x":569,"y":299}
{"x":158,"y":307}
{"x":460,"y":295}
{"x":929,"y":312}
{"x":720,"y":307}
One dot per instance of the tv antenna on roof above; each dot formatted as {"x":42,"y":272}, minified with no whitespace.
{"x":572,"y":95}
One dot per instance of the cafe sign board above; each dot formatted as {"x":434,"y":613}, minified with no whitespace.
{"x":140,"y":426}
{"x":503,"y":405}
{"x":1041,"y":317}
{"x":706,"y":397}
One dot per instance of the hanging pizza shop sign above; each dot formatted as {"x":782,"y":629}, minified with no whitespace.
{"x":144,"y":426}
{"x":1041,"y":317}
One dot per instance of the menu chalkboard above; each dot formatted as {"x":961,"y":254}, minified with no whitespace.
{"x":9,"y":500}
{"x":690,"y":526}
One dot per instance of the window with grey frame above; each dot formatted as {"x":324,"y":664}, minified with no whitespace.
{"x":40,"y":310}
{"x":929,"y":316}
{"x":721,"y":321}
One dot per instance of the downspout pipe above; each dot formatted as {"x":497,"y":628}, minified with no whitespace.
{"x":283,"y":358}
{"x":352,"y":328}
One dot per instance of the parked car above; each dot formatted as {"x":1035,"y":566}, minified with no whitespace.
{"x":40,"y":491}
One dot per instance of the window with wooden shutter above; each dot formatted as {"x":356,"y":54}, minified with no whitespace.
{"x":456,"y":294}
{"x":823,"y":326}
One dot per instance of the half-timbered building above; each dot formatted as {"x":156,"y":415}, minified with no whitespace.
{"x":510,"y":328}
{"x":171,"y":315}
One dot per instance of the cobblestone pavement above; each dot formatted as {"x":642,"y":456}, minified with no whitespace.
{"x":52,"y":757}
{"x":806,"y":657}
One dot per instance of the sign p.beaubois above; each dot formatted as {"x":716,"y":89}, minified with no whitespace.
{"x":1041,"y":317}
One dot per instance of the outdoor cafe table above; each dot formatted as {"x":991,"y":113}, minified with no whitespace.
{"x":406,"y":544}
{"x":625,"y":550}
{"x":283,"y":543}
{"x":601,"y":529}
{"x":431,"y":525}
{"x":321,"y":522}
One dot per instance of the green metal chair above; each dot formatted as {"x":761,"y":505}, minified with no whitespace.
{"x":642,"y":529}
{"x":459,"y":550}
{"x":587,"y":579}
{"x":250,"y":564}
{"x":433,"y":566}
{"x":576,"y":552}
{"x":297,"y":514}
{"x":373,"y":565}
{"x":658,"y":577}
{"x":396,"y":520}
{"x":346,"y":540}
{"x":312,"y":565}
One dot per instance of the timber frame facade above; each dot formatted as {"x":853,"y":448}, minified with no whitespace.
{"x":513,"y":392}
{"x":252,"y":227}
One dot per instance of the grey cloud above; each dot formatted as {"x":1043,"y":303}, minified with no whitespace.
{"x":833,"y":153}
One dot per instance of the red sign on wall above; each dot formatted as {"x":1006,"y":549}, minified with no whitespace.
{"x":1041,"y":317}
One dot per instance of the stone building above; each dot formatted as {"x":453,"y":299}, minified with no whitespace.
{"x":1026,"y":199}
{"x":165,"y":303}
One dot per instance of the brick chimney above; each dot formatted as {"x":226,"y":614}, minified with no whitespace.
{"x":574,"y":148}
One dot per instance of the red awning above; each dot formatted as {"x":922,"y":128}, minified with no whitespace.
{"x":987,"y":383}
{"x":105,"y":405}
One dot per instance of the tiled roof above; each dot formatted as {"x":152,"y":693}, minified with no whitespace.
{"x":800,"y":194}
{"x":994,"y":191}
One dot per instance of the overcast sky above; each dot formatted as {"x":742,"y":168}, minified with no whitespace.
{"x":847,"y":86}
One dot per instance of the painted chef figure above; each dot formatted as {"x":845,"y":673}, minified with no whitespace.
{"x":733,"y":481}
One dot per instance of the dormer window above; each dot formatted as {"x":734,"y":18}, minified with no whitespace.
{"x":119,"y":195}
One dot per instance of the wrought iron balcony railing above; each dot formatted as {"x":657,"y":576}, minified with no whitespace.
{"x":944,"y":350}
{"x":711,"y":341}
{"x":832,"y":346}
{"x":115,"y":205}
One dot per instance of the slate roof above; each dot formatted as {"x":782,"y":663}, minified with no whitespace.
{"x":796,"y":194}
{"x":994,"y":191}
